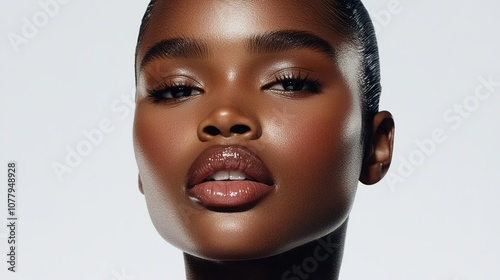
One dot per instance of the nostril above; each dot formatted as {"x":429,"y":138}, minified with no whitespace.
{"x":239,"y":129}
{"x":211,"y":130}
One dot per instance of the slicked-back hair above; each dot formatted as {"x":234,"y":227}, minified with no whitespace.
{"x":353,"y":14}
{"x":350,"y":19}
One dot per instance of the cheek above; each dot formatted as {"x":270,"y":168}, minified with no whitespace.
{"x":320,"y":148}
{"x":162,"y":143}
{"x":327,"y":142}
{"x":322,"y":134}
{"x":159,"y":140}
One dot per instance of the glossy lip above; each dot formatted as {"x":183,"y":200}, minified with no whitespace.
{"x":228,"y":194}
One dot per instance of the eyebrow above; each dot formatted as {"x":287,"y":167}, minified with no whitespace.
{"x":272,"y":42}
{"x":286,"y":40}
{"x":176,"y":48}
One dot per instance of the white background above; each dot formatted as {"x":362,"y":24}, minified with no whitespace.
{"x":435,"y":217}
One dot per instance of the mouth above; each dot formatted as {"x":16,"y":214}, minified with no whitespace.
{"x":228,"y":179}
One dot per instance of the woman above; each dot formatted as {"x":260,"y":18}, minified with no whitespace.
{"x":255,"y":120}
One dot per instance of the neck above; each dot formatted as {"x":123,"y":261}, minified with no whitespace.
{"x":317,"y":260}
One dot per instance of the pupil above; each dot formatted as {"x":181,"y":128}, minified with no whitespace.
{"x":293,"y":85}
{"x":180,"y":92}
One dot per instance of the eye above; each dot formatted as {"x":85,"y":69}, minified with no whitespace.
{"x":294,"y":83}
{"x":291,"y":85}
{"x":174,"y":92}
{"x":177,"y":92}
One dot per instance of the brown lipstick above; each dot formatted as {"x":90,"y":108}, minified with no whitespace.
{"x":228,"y":177}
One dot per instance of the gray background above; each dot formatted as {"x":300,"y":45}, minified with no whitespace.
{"x":436,"y":216}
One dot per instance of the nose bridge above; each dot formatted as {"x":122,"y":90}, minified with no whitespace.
{"x":229,"y":115}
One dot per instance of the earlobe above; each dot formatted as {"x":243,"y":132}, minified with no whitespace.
{"x":140,"y":184}
{"x":379,"y":155}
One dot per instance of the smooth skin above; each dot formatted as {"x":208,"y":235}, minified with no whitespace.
{"x":310,"y":139}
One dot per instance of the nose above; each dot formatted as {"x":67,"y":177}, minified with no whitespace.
{"x":227,"y":121}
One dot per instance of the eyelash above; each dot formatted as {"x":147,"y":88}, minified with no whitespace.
{"x":292,"y":79}
{"x":168,"y":92}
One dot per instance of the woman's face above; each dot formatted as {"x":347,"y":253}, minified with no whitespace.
{"x":248,"y":126}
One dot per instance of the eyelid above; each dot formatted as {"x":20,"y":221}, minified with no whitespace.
{"x":163,"y":92}
{"x":175,"y":80}
{"x":292,"y":71}
{"x":299,"y":74}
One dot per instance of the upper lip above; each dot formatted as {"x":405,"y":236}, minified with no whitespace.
{"x":228,"y":158}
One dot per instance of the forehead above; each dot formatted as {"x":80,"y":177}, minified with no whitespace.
{"x":225,"y":20}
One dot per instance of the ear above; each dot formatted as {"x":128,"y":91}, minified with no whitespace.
{"x":378,"y":155}
{"x":140,"y":184}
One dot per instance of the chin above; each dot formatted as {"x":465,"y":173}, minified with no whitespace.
{"x":241,"y":240}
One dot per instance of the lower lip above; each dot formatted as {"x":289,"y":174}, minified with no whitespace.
{"x":228,"y":194}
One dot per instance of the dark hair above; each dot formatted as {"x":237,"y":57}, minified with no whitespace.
{"x":353,"y":15}
{"x":351,"y":19}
